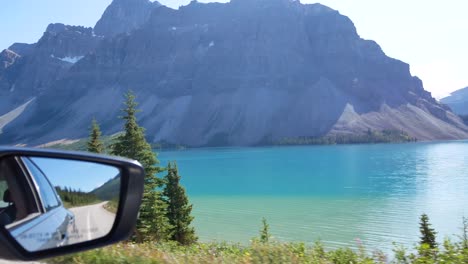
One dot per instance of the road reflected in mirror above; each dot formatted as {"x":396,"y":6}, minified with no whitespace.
{"x":49,"y":203}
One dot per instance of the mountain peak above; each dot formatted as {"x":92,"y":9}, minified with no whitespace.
{"x":457,"y":101}
{"x":55,"y":28}
{"x":123,"y":16}
{"x":264,"y":2}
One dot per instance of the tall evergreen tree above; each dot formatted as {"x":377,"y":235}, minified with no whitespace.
{"x":152,"y":223}
{"x":179,"y":210}
{"x":428,"y":234}
{"x":95,"y":144}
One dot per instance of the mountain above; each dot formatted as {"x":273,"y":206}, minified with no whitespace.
{"x":239,"y":73}
{"x":38,"y":66}
{"x":109,"y":190}
{"x":123,"y":16}
{"x":458,"y":101}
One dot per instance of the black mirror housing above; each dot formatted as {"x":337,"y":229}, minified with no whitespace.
{"x":131,"y":192}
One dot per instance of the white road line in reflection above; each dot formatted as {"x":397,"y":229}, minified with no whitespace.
{"x":89,"y":228}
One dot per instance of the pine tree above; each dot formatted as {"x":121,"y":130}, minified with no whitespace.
{"x":428,"y":234}
{"x":179,"y":210}
{"x":265,"y":231}
{"x":95,"y":144}
{"x":152,"y":223}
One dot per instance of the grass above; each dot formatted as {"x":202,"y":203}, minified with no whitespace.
{"x":450,"y":252}
{"x":260,"y":251}
{"x":215,"y":253}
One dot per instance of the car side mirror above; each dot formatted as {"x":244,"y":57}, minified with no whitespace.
{"x":54,"y":203}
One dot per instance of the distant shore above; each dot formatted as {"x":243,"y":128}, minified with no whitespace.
{"x":370,"y":137}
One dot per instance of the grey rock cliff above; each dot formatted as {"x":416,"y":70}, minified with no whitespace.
{"x":38,"y":66}
{"x":123,"y":16}
{"x":7,"y":58}
{"x":238,"y":74}
{"x":22,"y":49}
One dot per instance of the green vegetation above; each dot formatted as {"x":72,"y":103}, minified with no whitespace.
{"x":428,"y":234}
{"x":215,"y":253}
{"x":109,"y":190}
{"x":464,"y":236}
{"x":112,"y":206}
{"x":165,"y":213}
{"x":160,"y":145}
{"x":178,"y":208}
{"x":153,"y":224}
{"x":107,"y":141}
{"x":74,"y":198}
{"x":370,"y":137}
{"x":95,"y":144}
{"x":265,"y":232}
{"x":82,"y":144}
{"x":269,"y":252}
{"x":384,"y":136}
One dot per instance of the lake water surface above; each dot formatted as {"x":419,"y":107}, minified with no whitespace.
{"x":336,"y":194}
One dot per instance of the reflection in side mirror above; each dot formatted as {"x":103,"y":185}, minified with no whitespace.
{"x":57,"y":202}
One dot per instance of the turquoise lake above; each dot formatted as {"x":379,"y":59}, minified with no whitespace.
{"x":342,"y":195}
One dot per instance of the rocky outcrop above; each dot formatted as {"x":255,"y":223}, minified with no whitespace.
{"x":457,"y":101}
{"x":22,"y":49}
{"x":123,"y":16}
{"x":62,"y":41}
{"x":42,"y":64}
{"x":7,"y":58}
{"x":237,"y":74}
{"x":10,"y":56}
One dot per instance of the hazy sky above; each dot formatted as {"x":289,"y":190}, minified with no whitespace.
{"x":78,"y":175}
{"x":429,"y":35}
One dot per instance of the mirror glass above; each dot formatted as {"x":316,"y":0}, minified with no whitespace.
{"x":48,"y":203}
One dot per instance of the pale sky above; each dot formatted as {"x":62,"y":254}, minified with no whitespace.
{"x":429,"y":35}
{"x":78,"y":175}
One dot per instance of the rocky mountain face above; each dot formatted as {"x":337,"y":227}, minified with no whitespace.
{"x":458,"y":101}
{"x":38,"y":66}
{"x":7,"y":58}
{"x":238,"y":73}
{"x":123,"y":16}
{"x":22,"y":49}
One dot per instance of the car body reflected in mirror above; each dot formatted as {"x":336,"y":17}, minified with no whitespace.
{"x":49,"y":203}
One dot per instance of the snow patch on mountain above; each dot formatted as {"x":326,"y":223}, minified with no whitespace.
{"x":69,"y":59}
{"x":72,"y":60}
